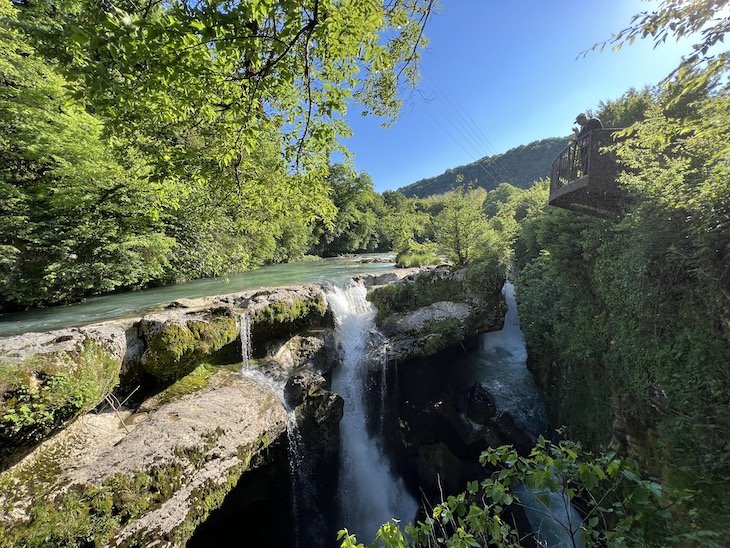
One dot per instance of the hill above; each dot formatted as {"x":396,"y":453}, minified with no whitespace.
{"x":519,"y":166}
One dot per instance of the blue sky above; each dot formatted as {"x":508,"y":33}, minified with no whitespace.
{"x":498,"y":74}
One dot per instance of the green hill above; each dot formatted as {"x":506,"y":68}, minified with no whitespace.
{"x":519,"y":166}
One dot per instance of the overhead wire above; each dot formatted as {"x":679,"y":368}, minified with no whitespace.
{"x":476,"y":129}
{"x":470,"y":131}
{"x":466,"y":139}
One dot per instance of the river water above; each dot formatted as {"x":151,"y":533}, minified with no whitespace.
{"x":500,"y":363}
{"x":134,"y":303}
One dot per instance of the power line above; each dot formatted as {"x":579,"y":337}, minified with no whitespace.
{"x":465,"y":138}
{"x":474,"y":132}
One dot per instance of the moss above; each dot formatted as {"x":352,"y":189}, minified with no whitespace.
{"x":211,"y":495}
{"x":90,"y":515}
{"x":290,"y":311}
{"x":408,"y":295}
{"x":442,"y":333}
{"x":197,"y":379}
{"x":282,"y":319}
{"x":41,"y":393}
{"x":176,"y":349}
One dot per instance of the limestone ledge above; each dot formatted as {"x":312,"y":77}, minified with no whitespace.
{"x":152,"y":477}
{"x":432,"y":309}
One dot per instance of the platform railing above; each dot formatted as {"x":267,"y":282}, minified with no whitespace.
{"x":574,"y":161}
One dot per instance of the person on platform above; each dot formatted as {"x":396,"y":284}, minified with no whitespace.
{"x":581,"y":139}
{"x":586,"y":125}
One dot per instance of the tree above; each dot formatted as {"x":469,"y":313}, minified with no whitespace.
{"x":355,"y":227}
{"x":461,"y":226}
{"x":74,"y":218}
{"x":168,"y":74}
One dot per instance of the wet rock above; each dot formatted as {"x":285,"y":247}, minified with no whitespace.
{"x":480,"y":404}
{"x":439,"y":470}
{"x":313,"y":349}
{"x":513,"y":434}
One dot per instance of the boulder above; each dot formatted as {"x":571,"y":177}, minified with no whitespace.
{"x":513,"y":434}
{"x":434,"y":309}
{"x":440,"y":471}
{"x":481,"y":406}
{"x":148,"y":483}
{"x":177,"y":342}
{"x":45,"y":388}
{"x":426,"y":330}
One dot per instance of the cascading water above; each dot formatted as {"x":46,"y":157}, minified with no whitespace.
{"x":501,"y":365}
{"x":369,"y":494}
{"x":244,"y":323}
{"x":295,"y":445}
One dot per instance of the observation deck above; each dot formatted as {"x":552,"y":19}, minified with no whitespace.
{"x":583,"y":177}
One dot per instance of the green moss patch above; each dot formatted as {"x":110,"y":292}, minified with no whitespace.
{"x":90,"y":515}
{"x":211,"y":495}
{"x":442,"y":334}
{"x":93,"y":515}
{"x":175,"y":349}
{"x":41,"y":393}
{"x":282,"y":319}
{"x":198,"y":379}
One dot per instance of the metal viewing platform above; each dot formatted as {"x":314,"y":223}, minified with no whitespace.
{"x":583,"y":177}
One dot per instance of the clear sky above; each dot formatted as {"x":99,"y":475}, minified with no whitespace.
{"x":502,"y":73}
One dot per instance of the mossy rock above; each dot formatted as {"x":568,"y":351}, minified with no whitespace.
{"x":282,"y":319}
{"x":416,"y":292}
{"x":441,"y":334}
{"x":176,"y":347}
{"x":41,"y":393}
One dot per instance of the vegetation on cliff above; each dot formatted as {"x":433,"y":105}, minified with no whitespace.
{"x":628,"y":321}
{"x":42,"y":393}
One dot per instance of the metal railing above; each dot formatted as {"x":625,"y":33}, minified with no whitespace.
{"x":576,"y":160}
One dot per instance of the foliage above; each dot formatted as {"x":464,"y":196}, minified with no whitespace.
{"x":74,"y":218}
{"x":43,"y":392}
{"x":627,"y":322}
{"x":408,"y":260}
{"x":406,"y":224}
{"x":618,"y":507}
{"x":631,"y":107}
{"x":460,"y":228}
{"x":678,"y":19}
{"x":519,"y":167}
{"x":356,"y":226}
{"x":233,"y":74}
{"x":149,"y":144}
{"x":513,"y":214}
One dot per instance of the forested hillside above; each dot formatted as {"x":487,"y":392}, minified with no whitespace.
{"x":519,"y":166}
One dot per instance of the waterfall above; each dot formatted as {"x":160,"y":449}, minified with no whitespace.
{"x":368,"y":493}
{"x":300,"y":483}
{"x":244,"y":323}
